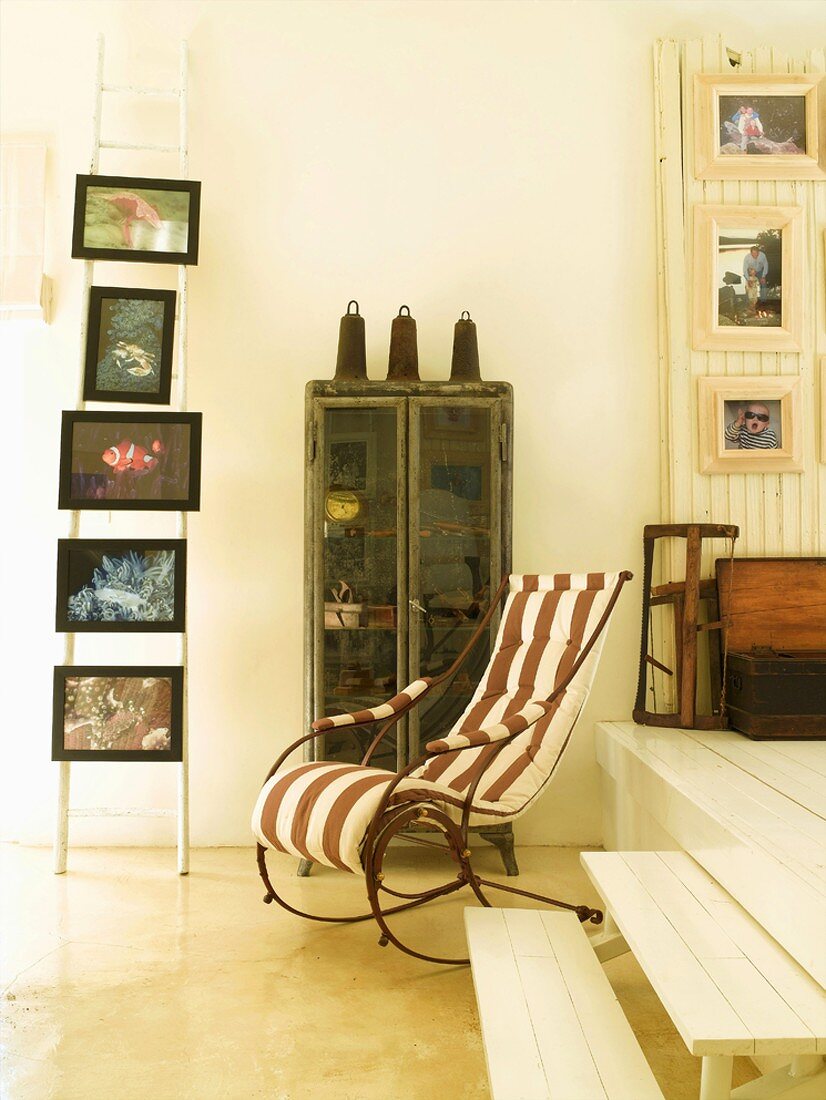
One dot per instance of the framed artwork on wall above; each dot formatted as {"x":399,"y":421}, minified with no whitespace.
{"x":750,"y":425}
{"x":118,"y":712}
{"x":121,"y":585}
{"x":769,"y":127}
{"x":131,"y":218}
{"x":129,"y":345}
{"x":130,"y":461}
{"x":748,"y":281}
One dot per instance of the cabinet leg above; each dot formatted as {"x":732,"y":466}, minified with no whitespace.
{"x":504,"y":843}
{"x":304,"y":868}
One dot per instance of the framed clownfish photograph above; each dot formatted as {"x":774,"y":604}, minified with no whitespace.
{"x":129,"y":337}
{"x":130,"y":461}
{"x":136,"y":219}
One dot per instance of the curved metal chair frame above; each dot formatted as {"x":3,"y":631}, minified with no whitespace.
{"x":389,"y":822}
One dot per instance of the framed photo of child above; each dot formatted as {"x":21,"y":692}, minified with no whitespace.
{"x":748,"y":286}
{"x":750,"y":425}
{"x":769,"y":127}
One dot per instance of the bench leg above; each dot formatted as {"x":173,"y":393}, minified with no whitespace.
{"x":715,"y":1078}
{"x":610,"y":942}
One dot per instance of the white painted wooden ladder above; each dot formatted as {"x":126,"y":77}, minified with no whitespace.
{"x":181,"y":811}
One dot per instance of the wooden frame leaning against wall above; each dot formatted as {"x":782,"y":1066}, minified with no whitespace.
{"x":711,"y":162}
{"x":711,"y":224}
{"x":715,"y":394}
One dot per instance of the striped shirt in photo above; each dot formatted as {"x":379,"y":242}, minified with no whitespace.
{"x":765,"y":440}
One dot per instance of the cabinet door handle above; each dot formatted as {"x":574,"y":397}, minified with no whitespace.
{"x":417,"y":606}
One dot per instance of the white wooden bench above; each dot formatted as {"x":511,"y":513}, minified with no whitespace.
{"x":551,"y":1025}
{"x":729,"y":987}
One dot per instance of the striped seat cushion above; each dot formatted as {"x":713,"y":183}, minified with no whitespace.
{"x":321,"y":811}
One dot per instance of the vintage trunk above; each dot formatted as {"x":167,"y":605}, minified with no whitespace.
{"x":775,"y":615}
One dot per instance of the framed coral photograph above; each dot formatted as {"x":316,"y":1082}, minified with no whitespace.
{"x":136,"y":219}
{"x":748,"y":283}
{"x":130,"y":461}
{"x":129,"y":336}
{"x":121,"y":585}
{"x":750,"y":425}
{"x":762,"y":127}
{"x":118,"y":712}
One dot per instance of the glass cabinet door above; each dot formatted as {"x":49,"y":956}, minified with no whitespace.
{"x":455,"y":548}
{"x":359,"y":585}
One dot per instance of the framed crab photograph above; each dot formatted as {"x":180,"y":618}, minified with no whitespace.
{"x":121,"y":585}
{"x":118,"y":712}
{"x":136,"y":219}
{"x":129,"y":337}
{"x":761,"y":127}
{"x":748,"y":286}
{"x":148,"y":461}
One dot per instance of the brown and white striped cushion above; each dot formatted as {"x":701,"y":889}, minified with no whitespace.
{"x":322,"y":810}
{"x":376,"y":714}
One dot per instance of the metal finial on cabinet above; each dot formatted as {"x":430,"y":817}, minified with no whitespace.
{"x":403,"y":363}
{"x":351,"y":361}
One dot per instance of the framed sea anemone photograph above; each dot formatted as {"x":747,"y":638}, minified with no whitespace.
{"x":129,"y":337}
{"x":760,"y":126}
{"x":121,"y":712}
{"x":149,"y":461}
{"x":121,"y":585}
{"x":137,"y":219}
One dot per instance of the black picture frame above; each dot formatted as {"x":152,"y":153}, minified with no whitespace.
{"x":132,"y":184}
{"x":173,"y":673}
{"x":146,"y":360}
{"x":97,"y":489}
{"x":78,"y":559}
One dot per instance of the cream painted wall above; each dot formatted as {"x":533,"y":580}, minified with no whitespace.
{"x":491,"y":156}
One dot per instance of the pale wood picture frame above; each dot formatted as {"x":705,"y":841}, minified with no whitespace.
{"x":713,"y":393}
{"x":707,"y":333}
{"x":711,"y":163}
{"x":823,"y":408}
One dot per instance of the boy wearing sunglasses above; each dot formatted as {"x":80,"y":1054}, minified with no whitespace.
{"x":751,"y":429}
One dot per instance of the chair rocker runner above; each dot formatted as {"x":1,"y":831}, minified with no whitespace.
{"x":489,"y":767}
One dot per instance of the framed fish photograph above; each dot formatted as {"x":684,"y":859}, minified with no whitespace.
{"x":748,"y":287}
{"x":121,"y":585}
{"x":146,"y":461}
{"x":750,"y":424}
{"x":763,"y":127}
{"x":129,"y":337}
{"x":136,"y":219}
{"x":118,"y":712}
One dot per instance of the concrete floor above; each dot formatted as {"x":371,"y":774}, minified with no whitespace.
{"x":123,"y":981}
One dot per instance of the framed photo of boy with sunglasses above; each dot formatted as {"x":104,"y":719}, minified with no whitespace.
{"x":750,"y":425}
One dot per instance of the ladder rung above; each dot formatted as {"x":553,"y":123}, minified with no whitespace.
{"x":116,"y":811}
{"x":135,"y":145}
{"x":137,"y":89}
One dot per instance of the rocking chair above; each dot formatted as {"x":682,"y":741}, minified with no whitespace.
{"x":490,"y":767}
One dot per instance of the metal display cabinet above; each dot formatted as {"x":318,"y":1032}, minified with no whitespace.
{"x":408,"y":490}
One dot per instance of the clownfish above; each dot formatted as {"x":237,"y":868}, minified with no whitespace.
{"x":131,"y":456}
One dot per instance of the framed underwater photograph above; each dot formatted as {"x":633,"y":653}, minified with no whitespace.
{"x":750,"y":425}
{"x":129,"y":337}
{"x":121,"y":585}
{"x":146,"y":461}
{"x":748,"y":284}
{"x":118,"y":712}
{"x":136,"y":219}
{"x":763,"y":127}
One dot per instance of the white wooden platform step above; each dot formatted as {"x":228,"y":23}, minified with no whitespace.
{"x":551,"y":1025}
{"x":729,"y":987}
{"x":752,"y":814}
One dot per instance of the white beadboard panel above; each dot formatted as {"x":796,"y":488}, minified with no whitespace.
{"x":778,"y":514}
